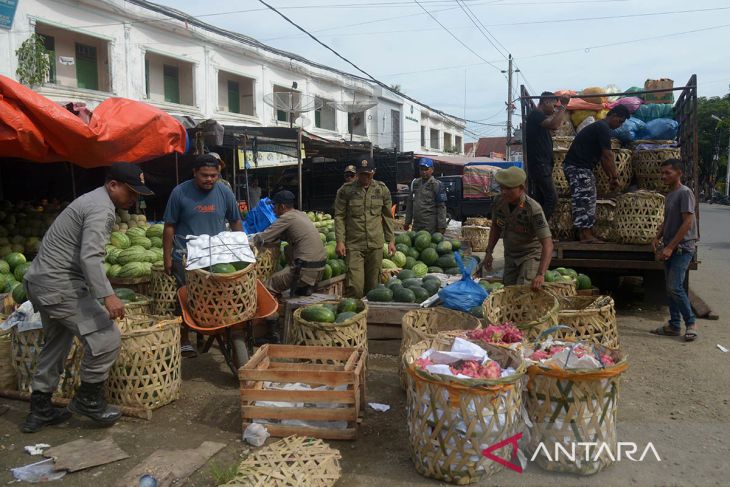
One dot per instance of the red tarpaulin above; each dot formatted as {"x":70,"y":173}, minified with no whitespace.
{"x":35,"y":128}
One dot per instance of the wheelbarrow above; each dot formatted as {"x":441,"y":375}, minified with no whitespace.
{"x":230,"y":338}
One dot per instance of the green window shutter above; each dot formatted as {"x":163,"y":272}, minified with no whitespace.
{"x":87,"y":74}
{"x":171,"y":83}
{"x":147,"y":77}
{"x":234,"y":98}
{"x":318,"y":118}
{"x":50,"y":44}
{"x":281,"y":116}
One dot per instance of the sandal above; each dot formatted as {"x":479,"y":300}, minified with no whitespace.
{"x":666,"y":331}
{"x":690,"y":333}
{"x":188,"y":351}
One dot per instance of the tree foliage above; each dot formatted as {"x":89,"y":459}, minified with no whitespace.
{"x":33,"y":61}
{"x":713,"y":136}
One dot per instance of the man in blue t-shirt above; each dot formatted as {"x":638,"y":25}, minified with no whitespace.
{"x":199,"y":206}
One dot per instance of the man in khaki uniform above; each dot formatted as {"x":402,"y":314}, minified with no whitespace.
{"x":306,"y":253}
{"x":528,"y":244}
{"x":363,"y":223}
{"x":426,"y":203}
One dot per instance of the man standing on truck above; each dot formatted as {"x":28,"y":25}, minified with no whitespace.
{"x":591,"y":145}
{"x":528,"y":244}
{"x":675,"y":245}
{"x":540,"y":149}
{"x":426,"y":203}
{"x":363,"y":223}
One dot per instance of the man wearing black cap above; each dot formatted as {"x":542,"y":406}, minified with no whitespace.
{"x":305,"y":253}
{"x":363,"y":223}
{"x":426,"y":203}
{"x":350,"y":173}
{"x":65,"y":283}
{"x":196,"y":207}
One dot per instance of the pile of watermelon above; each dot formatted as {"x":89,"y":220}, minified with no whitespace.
{"x":338,"y":312}
{"x":424,"y":253}
{"x":563,"y":274}
{"x":22,"y":225}
{"x":324,"y":223}
{"x":12,"y":271}
{"x":407,"y":287}
{"x":134,"y":247}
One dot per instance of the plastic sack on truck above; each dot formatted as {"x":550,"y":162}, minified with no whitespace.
{"x":600,"y":115}
{"x":632,"y":103}
{"x":586,"y":122}
{"x":578,"y":116}
{"x":652,"y":111}
{"x":594,"y":94}
{"x":612,"y":89}
{"x":662,"y":129}
{"x":260,"y":217}
{"x":635,"y":89}
{"x":465,"y":294}
{"x":632,"y":129}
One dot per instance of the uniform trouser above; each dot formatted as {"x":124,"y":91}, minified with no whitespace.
{"x":363,"y":270}
{"x":542,"y":189}
{"x":520,"y":271}
{"x":582,"y":183}
{"x":67,"y":316}
{"x":282,"y":280}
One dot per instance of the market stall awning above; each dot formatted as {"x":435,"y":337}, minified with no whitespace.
{"x":458,"y":160}
{"x":34,"y":128}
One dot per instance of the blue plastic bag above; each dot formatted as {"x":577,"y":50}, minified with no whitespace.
{"x":465,"y":294}
{"x":662,"y":129}
{"x":260,"y":217}
{"x":632,"y":129}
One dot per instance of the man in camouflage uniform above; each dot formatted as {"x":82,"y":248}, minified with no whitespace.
{"x":363,"y":223}
{"x":426,"y":203}
{"x":528,"y":245}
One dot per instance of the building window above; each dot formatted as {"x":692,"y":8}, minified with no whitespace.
{"x":458,"y":144}
{"x":293,"y":99}
{"x":326,"y":116}
{"x":423,"y":136}
{"x":87,"y":71}
{"x":235,"y":93}
{"x":447,"y":142}
{"x":356,"y":123}
{"x":168,"y":79}
{"x":50,"y":44}
{"x":434,"y":139}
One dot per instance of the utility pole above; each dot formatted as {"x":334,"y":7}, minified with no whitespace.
{"x":727,"y":173}
{"x":510,"y":109}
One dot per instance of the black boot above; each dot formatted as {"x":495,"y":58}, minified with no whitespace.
{"x":89,"y":401}
{"x":43,"y":413}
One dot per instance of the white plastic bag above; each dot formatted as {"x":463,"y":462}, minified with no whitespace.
{"x":255,"y":434}
{"x":224,"y":248}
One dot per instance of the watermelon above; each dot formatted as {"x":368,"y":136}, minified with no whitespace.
{"x":380,"y":294}
{"x":431,"y":286}
{"x":403,"y":238}
{"x":318,"y":314}
{"x":156,"y":242}
{"x":4,"y":267}
{"x":14,"y":259}
{"x":18,"y":293}
{"x":420,"y":269}
{"x":435,"y":270}
{"x":551,"y":276}
{"x":239,"y":265}
{"x":477,"y":311}
{"x":412,"y":281}
{"x":143,"y":242}
{"x":437,"y":237}
{"x":456,"y":245}
{"x":342,"y":267}
{"x":344,"y":316}
{"x":402,"y":247}
{"x":431,"y":278}
{"x":323,"y":237}
{"x":134,"y":253}
{"x":388,"y":264}
{"x":10,"y":284}
{"x":583,"y":282}
{"x":429,"y":256}
{"x":412,"y":235}
{"x":331,"y":253}
{"x":410,"y":262}
{"x":412,"y":252}
{"x":133,"y":270}
{"x":394,"y":281}
{"x":452,"y":271}
{"x":404,"y":295}
{"x":5,"y":250}
{"x":4,"y":279}
{"x":327,"y":274}
{"x":422,"y":242}
{"x":444,"y":247}
{"x":155,"y":230}
{"x":347,"y":304}
{"x":136,"y":232}
{"x":222,"y":269}
{"x":420,"y":293}
{"x":120,"y":240}
{"x":20,"y":271}
{"x":114,"y":270}
{"x":446,"y":261}
{"x":399,"y":259}
{"x":406,"y":274}
{"x":125,"y":294}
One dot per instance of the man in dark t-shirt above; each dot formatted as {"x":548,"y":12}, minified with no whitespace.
{"x":539,"y":150}
{"x":591,"y":146}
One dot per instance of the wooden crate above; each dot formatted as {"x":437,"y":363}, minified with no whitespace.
{"x":315,"y":366}
{"x":389,"y":313}
{"x":335,"y":286}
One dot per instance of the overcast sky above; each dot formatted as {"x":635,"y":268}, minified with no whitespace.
{"x":397,"y":42}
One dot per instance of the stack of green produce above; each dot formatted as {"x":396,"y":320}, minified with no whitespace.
{"x":339,"y":312}
{"x":326,"y":226}
{"x":23,"y":225}
{"x":406,"y":288}
{"x":134,"y":247}
{"x":424,"y":253}
{"x":12,"y":270}
{"x":562,"y":274}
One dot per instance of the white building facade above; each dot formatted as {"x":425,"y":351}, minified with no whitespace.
{"x":132,"y":49}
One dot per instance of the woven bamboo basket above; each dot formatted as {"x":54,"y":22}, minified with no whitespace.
{"x":562,"y":142}
{"x":605,"y":216}
{"x":477,"y":237}
{"x":565,"y":129}
{"x":146,"y":373}
{"x":452,"y":421}
{"x":426,"y":323}
{"x":163,"y":291}
{"x":622,"y":159}
{"x":8,"y":380}
{"x":561,"y":289}
{"x":568,"y":407}
{"x":26,"y":347}
{"x":592,"y":318}
{"x":398,"y":224}
{"x":561,"y":221}
{"x":531,"y":311}
{"x":140,"y":285}
{"x":559,"y":180}
{"x":387,"y":274}
{"x":294,"y":461}
{"x":266,"y":261}
{"x":638,"y":217}
{"x":648,"y":167}
{"x":477,"y":221}
{"x":221,"y":299}
{"x":350,"y":333}
{"x":142,"y":306}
